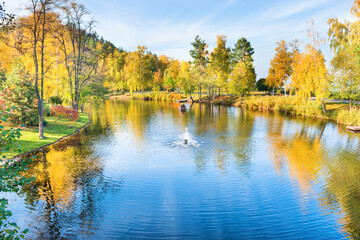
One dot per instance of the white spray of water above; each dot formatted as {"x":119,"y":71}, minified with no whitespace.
{"x":185,"y":140}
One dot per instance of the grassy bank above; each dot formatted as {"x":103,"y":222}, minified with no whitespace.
{"x":53,"y":131}
{"x":338,"y":112}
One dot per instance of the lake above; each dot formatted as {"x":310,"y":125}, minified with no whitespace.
{"x":240,"y":174}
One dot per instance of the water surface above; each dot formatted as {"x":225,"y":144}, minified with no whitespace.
{"x":249,"y":175}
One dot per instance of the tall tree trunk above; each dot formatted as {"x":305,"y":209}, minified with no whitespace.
{"x":219,"y":92}
{"x":41,"y":103}
{"x":200,"y":93}
{"x":350,"y":104}
{"x":323,"y":106}
{"x":273,"y":91}
{"x":36,"y":74}
{"x":141,"y":76}
{"x":76,"y":106}
{"x":38,"y":96}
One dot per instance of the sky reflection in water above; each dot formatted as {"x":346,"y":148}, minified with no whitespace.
{"x":253,"y":175}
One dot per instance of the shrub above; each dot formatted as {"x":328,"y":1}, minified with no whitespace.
{"x":175,"y":96}
{"x":224,"y":100}
{"x":56,"y":100}
{"x":285,"y":104}
{"x":349,"y":117}
{"x":61,"y":111}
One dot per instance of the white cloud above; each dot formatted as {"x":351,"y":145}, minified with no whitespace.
{"x":296,"y":7}
{"x":15,"y":6}
{"x":171,"y":36}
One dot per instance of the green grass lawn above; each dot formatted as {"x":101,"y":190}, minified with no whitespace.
{"x":53,"y":131}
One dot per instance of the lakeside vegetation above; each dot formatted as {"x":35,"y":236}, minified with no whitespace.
{"x":52,"y":57}
{"x":336,"y":111}
{"x":55,"y":129}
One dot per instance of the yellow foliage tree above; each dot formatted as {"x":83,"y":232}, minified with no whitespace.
{"x":280,"y":67}
{"x":220,"y":62}
{"x":171,"y":75}
{"x":310,"y":72}
{"x":137,"y":70}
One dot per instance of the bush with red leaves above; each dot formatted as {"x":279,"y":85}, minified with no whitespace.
{"x":64,"y":112}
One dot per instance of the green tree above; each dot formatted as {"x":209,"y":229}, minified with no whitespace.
{"x":200,"y":52}
{"x":200,"y":56}
{"x":242,"y":51}
{"x":18,"y":94}
{"x":242,"y":79}
{"x":261,"y":86}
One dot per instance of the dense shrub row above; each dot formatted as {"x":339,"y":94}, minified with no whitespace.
{"x":349,"y":117}
{"x":286,"y":104}
{"x":163,"y":96}
{"x":64,"y":112}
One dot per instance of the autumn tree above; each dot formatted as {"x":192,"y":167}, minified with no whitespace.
{"x":163,"y":63}
{"x":115,"y":70}
{"x":345,"y":41}
{"x":186,"y":81}
{"x":33,"y":38}
{"x":220,"y":62}
{"x":242,"y":78}
{"x":158,"y":80}
{"x":280,"y":67}
{"x":74,"y":36}
{"x":310,"y":72}
{"x":171,"y":75}
{"x":139,"y":69}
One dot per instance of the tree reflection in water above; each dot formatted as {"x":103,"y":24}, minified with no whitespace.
{"x":67,"y":195}
{"x":310,"y":163}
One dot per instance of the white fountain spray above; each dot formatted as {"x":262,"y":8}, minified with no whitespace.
{"x":185,"y":140}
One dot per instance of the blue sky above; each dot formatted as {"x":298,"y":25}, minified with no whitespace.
{"x":168,"y":27}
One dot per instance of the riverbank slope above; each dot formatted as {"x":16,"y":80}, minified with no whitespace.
{"x":53,"y":131}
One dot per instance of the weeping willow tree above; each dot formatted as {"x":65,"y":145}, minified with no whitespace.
{"x":309,"y":72}
{"x":345,"y":42}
